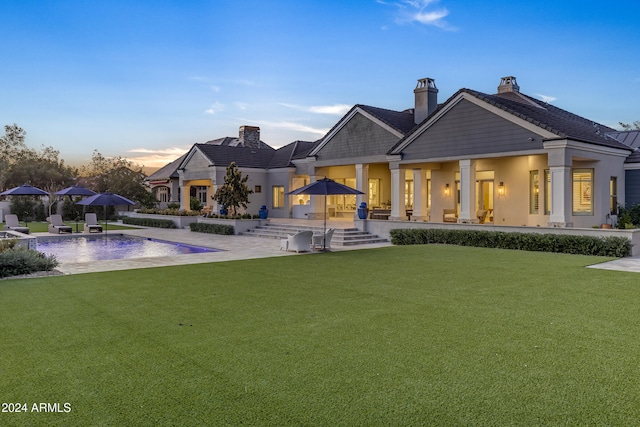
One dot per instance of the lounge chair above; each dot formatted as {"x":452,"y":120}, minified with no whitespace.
{"x":57,"y":226}
{"x":91,"y":223}
{"x":11,"y":223}
{"x":298,"y":242}
{"x":317,"y":239}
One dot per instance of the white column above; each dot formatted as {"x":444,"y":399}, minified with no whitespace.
{"x":560,"y":196}
{"x":419,"y":195}
{"x":397,"y":194}
{"x":362,"y":183}
{"x":468,"y":191}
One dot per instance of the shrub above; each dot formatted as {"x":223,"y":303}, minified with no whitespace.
{"x":149,"y":222}
{"x":629,"y":216}
{"x":23,"y":206}
{"x":16,"y":261}
{"x":581,"y":245}
{"x":173,"y":205}
{"x":195,"y":204}
{"x":212,"y":228}
{"x":168,"y":211}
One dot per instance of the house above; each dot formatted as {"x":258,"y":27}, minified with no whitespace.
{"x":199,"y":171}
{"x":504,"y":158}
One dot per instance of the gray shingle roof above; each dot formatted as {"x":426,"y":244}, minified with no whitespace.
{"x":283,"y":155}
{"x":549,"y":117}
{"x":402,"y":121}
{"x":247,"y":157}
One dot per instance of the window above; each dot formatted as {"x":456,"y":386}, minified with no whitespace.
{"x":613,"y":195}
{"x":278,"y":196}
{"x":201,"y":194}
{"x":582,"y":191}
{"x":534,"y":192}
{"x":374,"y":193}
{"x":162,"y":194}
{"x":257,"y":189}
{"x":408,"y":194}
{"x":547,"y":192}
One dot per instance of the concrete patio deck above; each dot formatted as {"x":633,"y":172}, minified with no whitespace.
{"x":231,"y":248}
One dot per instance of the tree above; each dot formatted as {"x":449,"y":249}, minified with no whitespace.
{"x":633,"y":126}
{"x":11,"y":145}
{"x":234,"y":193}
{"x":117,"y":175}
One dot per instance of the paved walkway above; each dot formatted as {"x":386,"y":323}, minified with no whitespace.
{"x":231,"y":248}
{"x":630,"y":264}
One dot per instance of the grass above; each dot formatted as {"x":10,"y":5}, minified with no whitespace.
{"x":417,"y":335}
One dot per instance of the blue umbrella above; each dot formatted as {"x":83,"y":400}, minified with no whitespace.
{"x":75,"y":190}
{"x":105,"y":199}
{"x":24,"y":190}
{"x":325,"y":186}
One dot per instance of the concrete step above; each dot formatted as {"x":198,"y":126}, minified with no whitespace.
{"x":341,"y":236}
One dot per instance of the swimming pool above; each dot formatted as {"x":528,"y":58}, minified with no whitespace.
{"x":110,"y":247}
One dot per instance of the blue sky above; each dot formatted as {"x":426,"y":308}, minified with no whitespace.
{"x":147,"y":79}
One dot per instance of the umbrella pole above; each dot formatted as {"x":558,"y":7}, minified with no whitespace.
{"x":324,"y":228}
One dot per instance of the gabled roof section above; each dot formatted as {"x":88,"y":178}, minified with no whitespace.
{"x":229,"y":141}
{"x":550,"y":118}
{"x":553,"y":120}
{"x":630,"y":138}
{"x":168,"y":171}
{"x":400,"y":123}
{"x":283,"y":155}
{"x":247,"y":157}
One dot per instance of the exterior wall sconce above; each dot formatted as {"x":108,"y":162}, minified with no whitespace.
{"x":501,"y":188}
{"x":447,"y":190}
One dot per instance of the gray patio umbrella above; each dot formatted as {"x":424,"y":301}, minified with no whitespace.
{"x":105,"y":199}
{"x":326,"y":187}
{"x":24,"y":190}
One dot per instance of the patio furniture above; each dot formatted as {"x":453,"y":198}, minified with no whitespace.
{"x":380,"y":213}
{"x":91,"y":224}
{"x":12,"y":223}
{"x":56,"y":225}
{"x":449,"y":215}
{"x":482,"y":215}
{"x":316,"y":240}
{"x":298,"y":242}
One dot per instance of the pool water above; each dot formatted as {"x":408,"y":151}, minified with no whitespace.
{"x":112,"y":246}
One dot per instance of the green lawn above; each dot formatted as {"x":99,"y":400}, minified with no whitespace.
{"x":412,"y":335}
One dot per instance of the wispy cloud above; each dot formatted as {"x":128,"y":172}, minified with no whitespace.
{"x":336,"y":109}
{"x":420,"y":12}
{"x":546,"y":98}
{"x":155,"y":158}
{"x":214,"y":109}
{"x":298,"y":127}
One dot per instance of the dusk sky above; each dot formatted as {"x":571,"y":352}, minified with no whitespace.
{"x":148,"y":79}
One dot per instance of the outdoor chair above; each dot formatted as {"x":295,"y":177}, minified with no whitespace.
{"x":57,"y":226}
{"x":317,"y":239}
{"x":482,"y":215}
{"x":91,"y":224}
{"x":449,"y":215}
{"x":298,"y":242}
{"x":12,"y":223}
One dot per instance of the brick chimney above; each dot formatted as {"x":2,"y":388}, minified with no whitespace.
{"x":426,"y":95}
{"x":508,"y":84}
{"x":249,"y":136}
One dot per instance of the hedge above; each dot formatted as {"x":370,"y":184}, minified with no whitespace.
{"x":202,"y":227}
{"x":568,"y":244}
{"x":149,"y":222}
